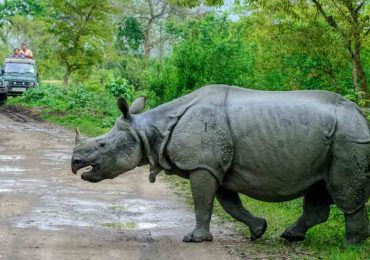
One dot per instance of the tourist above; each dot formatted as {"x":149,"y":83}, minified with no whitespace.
{"x":26,"y":51}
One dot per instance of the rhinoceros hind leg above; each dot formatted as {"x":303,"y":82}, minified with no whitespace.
{"x":231,"y":203}
{"x":349,"y":186}
{"x":316,"y":209}
{"x":203,"y":188}
{"x":357,"y":229}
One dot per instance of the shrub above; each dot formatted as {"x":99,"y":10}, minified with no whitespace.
{"x":121,"y":87}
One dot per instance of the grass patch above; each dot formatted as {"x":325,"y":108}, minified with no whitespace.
{"x":86,"y":123}
{"x":118,"y":209}
{"x":121,"y":225}
{"x":94,"y":112}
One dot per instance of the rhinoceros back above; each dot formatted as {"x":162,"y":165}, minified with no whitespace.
{"x":261,"y":142}
{"x":284,"y":139}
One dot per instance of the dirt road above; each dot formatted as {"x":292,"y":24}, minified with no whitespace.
{"x":48,"y":213}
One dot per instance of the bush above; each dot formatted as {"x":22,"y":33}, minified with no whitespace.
{"x":78,"y":97}
{"x":211,"y":53}
{"x":74,"y":106}
{"x":121,"y":87}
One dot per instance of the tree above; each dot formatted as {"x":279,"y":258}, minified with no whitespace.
{"x":156,"y":10}
{"x":130,"y":34}
{"x":23,"y":29}
{"x":152,"y":15}
{"x":212,"y":51}
{"x":296,"y":50}
{"x":350,"y":19}
{"x":9,"y":9}
{"x":81,"y":30}
{"x":194,"y":3}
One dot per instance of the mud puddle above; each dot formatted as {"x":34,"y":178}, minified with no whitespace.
{"x":57,"y":212}
{"x":11,"y":169}
{"x":59,"y":156}
{"x":28,"y":186}
{"x":11,"y":157}
{"x":17,"y":127}
{"x":55,"y":157}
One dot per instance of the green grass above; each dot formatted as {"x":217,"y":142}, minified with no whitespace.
{"x":92,"y":112}
{"x":95,"y":113}
{"x":86,"y":124}
{"x":121,"y":225}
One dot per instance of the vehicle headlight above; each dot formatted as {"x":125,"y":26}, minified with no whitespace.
{"x":32,"y":84}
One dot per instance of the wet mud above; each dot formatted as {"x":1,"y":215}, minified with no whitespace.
{"x":49,"y":213}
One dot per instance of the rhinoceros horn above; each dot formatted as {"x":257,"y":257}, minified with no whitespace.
{"x":78,"y":138}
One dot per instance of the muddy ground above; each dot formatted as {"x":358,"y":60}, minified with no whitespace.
{"x":46,"y":212}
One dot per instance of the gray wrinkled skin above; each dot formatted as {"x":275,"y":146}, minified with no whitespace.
{"x":271,"y":146}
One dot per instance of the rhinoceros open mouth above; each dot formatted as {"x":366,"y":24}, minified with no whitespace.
{"x":89,"y":173}
{"x":92,"y":175}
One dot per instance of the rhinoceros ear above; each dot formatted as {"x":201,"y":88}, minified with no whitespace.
{"x":138,"y":105}
{"x":123,"y":106}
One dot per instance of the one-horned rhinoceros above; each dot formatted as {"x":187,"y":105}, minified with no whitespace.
{"x":271,"y":146}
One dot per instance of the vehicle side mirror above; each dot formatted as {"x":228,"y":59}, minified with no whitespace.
{"x":2,"y":71}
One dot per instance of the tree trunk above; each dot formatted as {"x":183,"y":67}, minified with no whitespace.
{"x":355,"y":76}
{"x":361,"y":73}
{"x":161,"y":43}
{"x":147,"y":40}
{"x":360,"y":70}
{"x":66,"y":75}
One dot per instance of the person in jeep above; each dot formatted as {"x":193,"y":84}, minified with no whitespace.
{"x":26,"y":51}
{"x":17,"y":54}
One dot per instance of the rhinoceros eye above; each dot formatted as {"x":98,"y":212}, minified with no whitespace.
{"x":101,"y":144}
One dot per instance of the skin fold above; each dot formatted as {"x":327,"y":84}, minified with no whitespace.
{"x":271,"y":146}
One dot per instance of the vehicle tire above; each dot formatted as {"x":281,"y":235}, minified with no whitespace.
{"x":3,"y":98}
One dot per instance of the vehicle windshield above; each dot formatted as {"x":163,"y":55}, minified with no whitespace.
{"x":19,"y":68}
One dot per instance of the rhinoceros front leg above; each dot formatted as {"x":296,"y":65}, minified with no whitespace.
{"x":203,"y":188}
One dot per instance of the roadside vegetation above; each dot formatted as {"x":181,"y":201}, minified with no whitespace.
{"x":93,"y":111}
{"x":90,"y":52}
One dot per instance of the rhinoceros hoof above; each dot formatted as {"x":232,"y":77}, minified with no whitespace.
{"x":198,"y":235}
{"x":293,"y":237}
{"x":259,"y":231}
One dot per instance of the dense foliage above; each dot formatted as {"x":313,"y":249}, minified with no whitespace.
{"x":164,"y":51}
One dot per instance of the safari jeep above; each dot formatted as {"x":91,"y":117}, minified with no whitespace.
{"x":19,"y":75}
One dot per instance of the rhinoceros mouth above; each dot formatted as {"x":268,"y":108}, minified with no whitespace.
{"x":82,"y":168}
{"x":89,"y":172}
{"x":92,"y":174}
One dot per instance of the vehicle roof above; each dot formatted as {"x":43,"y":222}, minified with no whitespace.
{"x":19,"y":60}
